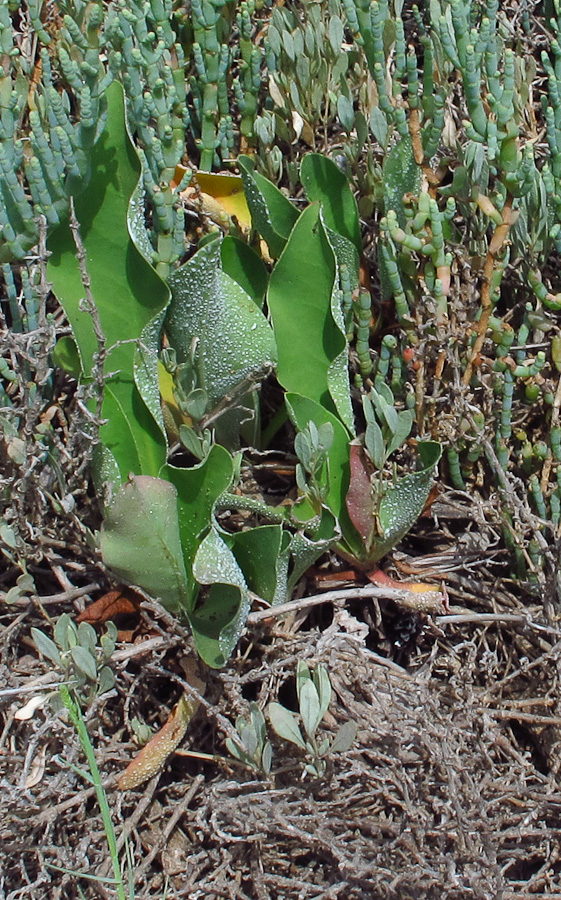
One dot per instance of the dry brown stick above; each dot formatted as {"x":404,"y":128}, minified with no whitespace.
{"x":499,"y":237}
{"x":428,"y":601}
{"x":490,"y":618}
{"x":554,"y":422}
{"x":72,"y":594}
{"x":514,"y":714}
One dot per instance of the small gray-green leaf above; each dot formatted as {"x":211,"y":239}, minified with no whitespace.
{"x":310,"y":709}
{"x":402,"y":430}
{"x":267,"y":758}
{"x":375,"y":446}
{"x":303,"y":674}
{"x":323,"y":687}
{"x":87,"y":636}
{"x":191,"y":441}
{"x":345,"y":112}
{"x":379,"y":126}
{"x":84,"y":661}
{"x":106,"y":680}
{"x":63,"y":624}
{"x":46,"y":646}
{"x":344,"y":738}
{"x":285,"y":725}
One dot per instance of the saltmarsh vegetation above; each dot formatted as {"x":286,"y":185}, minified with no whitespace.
{"x":181,"y":309}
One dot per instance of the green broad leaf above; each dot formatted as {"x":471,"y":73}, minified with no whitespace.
{"x":310,"y":709}
{"x":218,"y":619}
{"x":258,"y":552}
{"x":84,"y":661}
{"x":285,"y":725}
{"x":242,"y":263}
{"x":344,"y":738}
{"x":140,"y":540}
{"x":65,"y":355}
{"x":46,"y":646}
{"x":304,"y":550}
{"x":379,"y":126}
{"x":198,"y":489}
{"x":300,"y":302}
{"x":234,"y":341}
{"x":402,"y":176}
{"x":324,"y":182}
{"x":272,"y":214}
{"x":126,"y":291}
{"x":403,"y":503}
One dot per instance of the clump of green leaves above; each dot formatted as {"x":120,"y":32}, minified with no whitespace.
{"x":81,"y":658}
{"x":254,"y":749}
{"x":314,"y":696}
{"x":312,"y":447}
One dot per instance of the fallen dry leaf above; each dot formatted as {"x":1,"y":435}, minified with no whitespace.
{"x":37,"y":768}
{"x":26,"y":712}
{"x":153,"y":756}
{"x":123,"y":601}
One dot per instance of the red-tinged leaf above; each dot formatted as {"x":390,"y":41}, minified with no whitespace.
{"x":359,"y":495}
{"x":153,"y":756}
{"x":123,"y":601}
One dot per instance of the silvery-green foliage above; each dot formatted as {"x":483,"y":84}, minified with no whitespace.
{"x":81,"y":659}
{"x":314,"y":696}
{"x":253,"y":749}
{"x":312,"y":73}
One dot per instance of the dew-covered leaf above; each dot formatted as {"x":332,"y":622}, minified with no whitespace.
{"x":272,"y":214}
{"x":325,"y":183}
{"x":241,"y":262}
{"x":234,"y":341}
{"x":258,"y":552}
{"x":218,"y":620}
{"x":404,"y":501}
{"x":126,"y":290}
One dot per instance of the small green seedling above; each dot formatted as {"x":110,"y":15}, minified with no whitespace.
{"x":254,"y":749}
{"x":312,"y":447}
{"x":314,"y":697}
{"x":76,"y":652}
